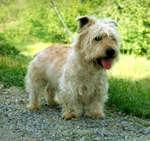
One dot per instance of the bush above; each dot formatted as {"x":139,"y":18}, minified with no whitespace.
{"x":6,"y":48}
{"x":135,"y":27}
{"x":35,"y":21}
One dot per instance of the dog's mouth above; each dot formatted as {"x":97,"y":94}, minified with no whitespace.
{"x":104,"y":62}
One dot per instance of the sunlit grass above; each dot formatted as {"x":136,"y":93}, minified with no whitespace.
{"x":30,"y":49}
{"x":132,"y":67}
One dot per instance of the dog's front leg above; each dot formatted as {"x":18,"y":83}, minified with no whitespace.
{"x":95,"y":108}
{"x":71,"y":108}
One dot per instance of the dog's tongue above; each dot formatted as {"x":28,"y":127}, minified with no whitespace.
{"x":106,"y":63}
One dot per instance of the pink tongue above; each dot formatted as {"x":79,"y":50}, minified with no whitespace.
{"x":106,"y":63}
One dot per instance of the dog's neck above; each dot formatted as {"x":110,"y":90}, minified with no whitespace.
{"x":81,"y":63}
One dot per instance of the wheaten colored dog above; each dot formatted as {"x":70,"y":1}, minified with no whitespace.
{"x":76,"y":76}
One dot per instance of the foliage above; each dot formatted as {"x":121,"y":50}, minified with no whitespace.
{"x":6,"y":48}
{"x":135,"y":27}
{"x":35,"y":21}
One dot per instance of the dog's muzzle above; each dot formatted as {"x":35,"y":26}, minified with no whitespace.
{"x":106,"y":62}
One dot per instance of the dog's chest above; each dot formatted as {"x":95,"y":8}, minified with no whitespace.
{"x":84,"y":85}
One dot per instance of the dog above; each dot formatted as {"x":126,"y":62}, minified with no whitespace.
{"x":76,"y":76}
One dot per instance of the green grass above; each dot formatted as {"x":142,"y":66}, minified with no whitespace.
{"x":130,"y":66}
{"x":129,"y":79}
{"x":130,"y":96}
{"x":13,"y":70}
{"x":129,"y":86}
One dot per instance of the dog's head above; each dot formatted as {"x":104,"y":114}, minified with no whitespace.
{"x":97,"y":41}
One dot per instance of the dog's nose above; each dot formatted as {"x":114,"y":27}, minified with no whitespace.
{"x":110,"y":52}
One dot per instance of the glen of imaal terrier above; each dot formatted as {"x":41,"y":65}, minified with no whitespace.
{"x":76,"y":76}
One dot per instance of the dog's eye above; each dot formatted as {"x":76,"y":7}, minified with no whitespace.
{"x":98,"y":38}
{"x":114,"y":39}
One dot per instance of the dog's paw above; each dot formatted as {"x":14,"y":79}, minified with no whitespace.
{"x":96,"y":115}
{"x":33,"y":106}
{"x":69,"y":115}
{"x":53,"y":103}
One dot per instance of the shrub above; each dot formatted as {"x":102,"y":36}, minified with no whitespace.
{"x":35,"y":21}
{"x":6,"y":48}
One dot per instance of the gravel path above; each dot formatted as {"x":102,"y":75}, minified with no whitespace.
{"x":20,"y":124}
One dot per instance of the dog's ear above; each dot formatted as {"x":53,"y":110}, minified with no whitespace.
{"x":114,"y":22}
{"x":83,"y":20}
{"x":111,"y":22}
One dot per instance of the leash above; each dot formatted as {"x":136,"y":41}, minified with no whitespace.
{"x":68,"y":31}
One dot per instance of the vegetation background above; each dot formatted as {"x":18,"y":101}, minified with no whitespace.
{"x":29,"y":25}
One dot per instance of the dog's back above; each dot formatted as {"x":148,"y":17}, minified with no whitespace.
{"x":49,"y":61}
{"x":46,"y":67}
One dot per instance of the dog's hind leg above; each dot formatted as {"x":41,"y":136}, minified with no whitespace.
{"x":34,"y":88}
{"x":33,"y":100}
{"x":50,"y":96}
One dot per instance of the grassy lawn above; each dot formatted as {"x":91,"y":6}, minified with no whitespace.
{"x":29,"y":49}
{"x":132,"y":67}
{"x":129,"y":88}
{"x":13,"y":70}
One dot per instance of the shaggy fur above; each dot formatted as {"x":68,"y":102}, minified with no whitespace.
{"x":76,"y":76}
